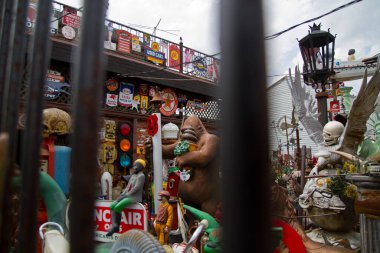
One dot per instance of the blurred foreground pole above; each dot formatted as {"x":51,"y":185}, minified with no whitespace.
{"x":246,"y":189}
{"x":30,"y":152}
{"x":6,"y":12}
{"x":10,"y":108}
{"x":88,"y":80}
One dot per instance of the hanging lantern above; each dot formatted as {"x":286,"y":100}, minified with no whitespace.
{"x":317,"y":49}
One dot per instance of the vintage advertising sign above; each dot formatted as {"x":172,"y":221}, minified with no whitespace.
{"x":170,"y":102}
{"x":126,"y":94}
{"x":54,"y":76}
{"x":155,"y":46}
{"x":70,"y":17}
{"x":68,"y":32}
{"x":174,"y":59}
{"x":111,"y":100}
{"x":155,"y":57}
{"x":133,"y":217}
{"x":52,"y":90}
{"x":112,"y":85}
{"x":136,"y":46}
{"x":123,"y":41}
{"x":200,"y":66}
{"x":334,"y":106}
{"x":196,"y":105}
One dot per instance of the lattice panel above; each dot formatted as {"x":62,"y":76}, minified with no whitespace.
{"x":211,"y":113}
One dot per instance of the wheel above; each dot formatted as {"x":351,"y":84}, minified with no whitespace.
{"x":137,"y":241}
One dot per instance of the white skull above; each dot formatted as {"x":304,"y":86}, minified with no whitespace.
{"x":332,"y":131}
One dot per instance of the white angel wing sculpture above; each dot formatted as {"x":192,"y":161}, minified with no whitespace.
{"x":305,"y":114}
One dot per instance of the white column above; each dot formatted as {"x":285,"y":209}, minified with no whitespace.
{"x":157,"y":163}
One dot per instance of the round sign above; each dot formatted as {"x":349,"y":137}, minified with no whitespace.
{"x":174,"y":55}
{"x":125,"y":145}
{"x":112,"y":85}
{"x":68,"y":32}
{"x":170,"y":102}
{"x":155,"y":46}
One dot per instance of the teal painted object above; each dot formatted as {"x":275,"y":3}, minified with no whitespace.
{"x":62,"y":167}
{"x":213,"y":246}
{"x":53,"y":196}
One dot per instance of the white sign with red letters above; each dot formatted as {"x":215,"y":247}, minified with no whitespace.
{"x":133,"y":217}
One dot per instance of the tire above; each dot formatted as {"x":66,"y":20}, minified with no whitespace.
{"x":137,"y":241}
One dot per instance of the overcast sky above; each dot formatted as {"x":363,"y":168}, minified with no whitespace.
{"x":197,"y":21}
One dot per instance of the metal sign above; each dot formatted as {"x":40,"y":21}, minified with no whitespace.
{"x":170,"y":102}
{"x":70,"y":17}
{"x":132,"y":217}
{"x":155,"y":57}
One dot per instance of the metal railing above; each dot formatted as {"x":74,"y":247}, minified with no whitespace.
{"x":176,"y":56}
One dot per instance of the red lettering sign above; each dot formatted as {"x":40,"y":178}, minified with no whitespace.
{"x":132,"y":217}
{"x":70,"y":17}
{"x":334,"y":106}
{"x":124,"y":40}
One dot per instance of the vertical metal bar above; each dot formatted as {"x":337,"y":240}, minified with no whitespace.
{"x":33,"y":127}
{"x":245,"y":171}
{"x":13,"y":84}
{"x":181,"y":55}
{"x":2,"y":8}
{"x":303,"y":165}
{"x":86,"y":126}
{"x":5,"y":50}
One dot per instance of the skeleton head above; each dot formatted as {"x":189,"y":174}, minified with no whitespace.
{"x":332,"y":131}
{"x":55,"y":121}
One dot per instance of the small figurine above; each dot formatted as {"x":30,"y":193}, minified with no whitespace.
{"x":131,"y":194}
{"x":164,"y":218}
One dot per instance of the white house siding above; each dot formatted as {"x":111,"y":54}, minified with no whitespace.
{"x":280,"y":104}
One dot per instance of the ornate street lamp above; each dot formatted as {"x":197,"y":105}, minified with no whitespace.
{"x":317,"y":49}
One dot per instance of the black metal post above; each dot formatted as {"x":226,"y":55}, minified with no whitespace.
{"x":322,"y":107}
{"x":11,"y":106}
{"x":86,"y":126}
{"x":30,"y":154}
{"x":245,"y":156}
{"x":181,"y":55}
{"x":5,"y":50}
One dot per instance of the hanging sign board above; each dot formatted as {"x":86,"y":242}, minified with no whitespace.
{"x":132,"y":217}
{"x":174,"y":60}
{"x":136,"y":46}
{"x":155,"y":57}
{"x":123,"y":41}
{"x":70,"y":17}
{"x":126,"y":94}
{"x":170,"y":102}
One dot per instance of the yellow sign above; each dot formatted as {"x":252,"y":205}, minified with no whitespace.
{"x":174,"y":55}
{"x":155,"y":46}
